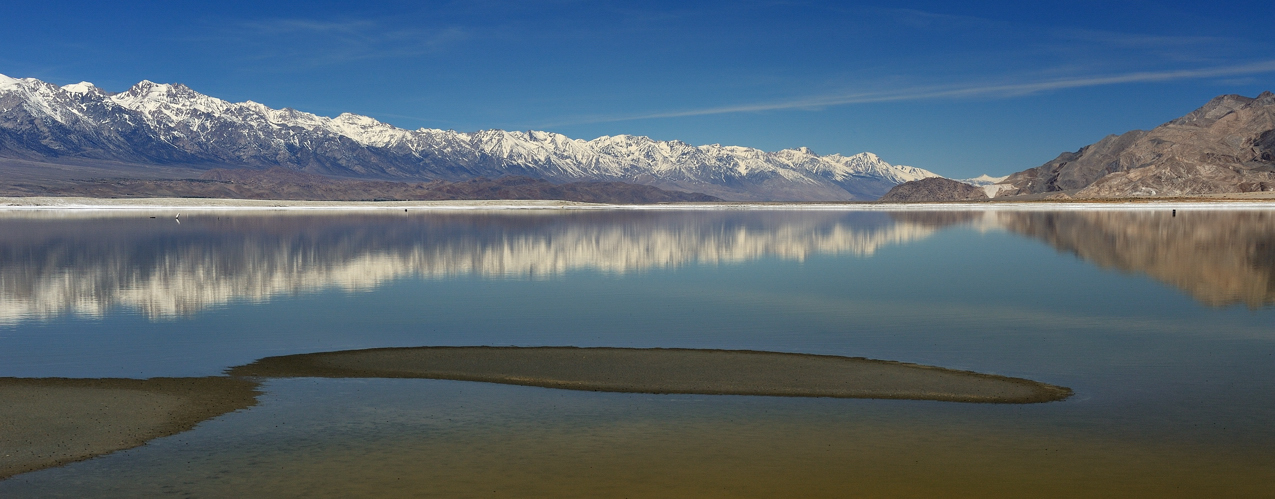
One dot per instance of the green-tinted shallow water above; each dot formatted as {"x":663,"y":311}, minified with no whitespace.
{"x":1163,"y":326}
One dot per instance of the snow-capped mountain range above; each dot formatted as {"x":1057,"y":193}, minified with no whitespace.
{"x":983,"y":180}
{"x":170,"y":124}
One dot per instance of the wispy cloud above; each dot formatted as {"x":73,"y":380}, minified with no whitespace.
{"x":293,"y":26}
{"x":926,"y":20}
{"x":1136,"y":40}
{"x":1005,"y":90}
{"x":1064,"y":40}
{"x":322,"y":42}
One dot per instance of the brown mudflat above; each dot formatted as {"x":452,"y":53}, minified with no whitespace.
{"x":46,"y":422}
{"x":665,"y":370}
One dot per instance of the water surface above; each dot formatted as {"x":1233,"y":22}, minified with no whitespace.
{"x":1161,"y":324}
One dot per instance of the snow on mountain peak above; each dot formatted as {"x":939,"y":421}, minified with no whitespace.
{"x":983,"y":180}
{"x":39,"y":98}
{"x":6,"y":82}
{"x":367,"y":130}
{"x":82,"y":88}
{"x":176,"y":94}
{"x":252,"y":133}
{"x":175,"y":104}
{"x":358,"y":122}
{"x":141,"y":87}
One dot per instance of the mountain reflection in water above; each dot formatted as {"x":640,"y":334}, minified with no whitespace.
{"x":1220,"y":258}
{"x":86,"y":265}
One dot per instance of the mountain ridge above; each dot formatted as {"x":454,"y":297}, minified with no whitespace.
{"x":1225,"y":146}
{"x":171,"y":124}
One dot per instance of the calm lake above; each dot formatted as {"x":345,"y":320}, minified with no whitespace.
{"x":1162,"y":324}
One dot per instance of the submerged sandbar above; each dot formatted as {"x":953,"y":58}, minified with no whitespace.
{"x":46,"y":422}
{"x":665,"y":370}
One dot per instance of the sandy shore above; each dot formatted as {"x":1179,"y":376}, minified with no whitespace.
{"x":659,"y":370}
{"x":54,"y":421}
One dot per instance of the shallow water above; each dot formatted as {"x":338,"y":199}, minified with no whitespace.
{"x":1164,"y":326}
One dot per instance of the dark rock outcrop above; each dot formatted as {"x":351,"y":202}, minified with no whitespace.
{"x":933,"y":189}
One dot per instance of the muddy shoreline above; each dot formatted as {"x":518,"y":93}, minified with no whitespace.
{"x":49,"y":422}
{"x":665,"y":370}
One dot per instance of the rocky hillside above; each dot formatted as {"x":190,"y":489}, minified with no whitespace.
{"x":163,"y":125}
{"x":933,"y":189}
{"x":1226,"y":146}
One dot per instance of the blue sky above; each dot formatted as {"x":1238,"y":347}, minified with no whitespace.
{"x":957,"y":88}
